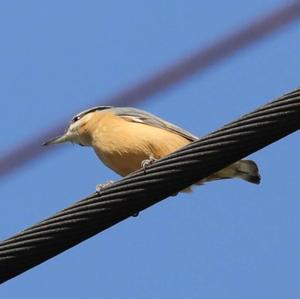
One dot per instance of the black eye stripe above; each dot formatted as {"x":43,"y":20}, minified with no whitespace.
{"x":83,"y":113}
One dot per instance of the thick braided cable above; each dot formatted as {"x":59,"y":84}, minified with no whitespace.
{"x":143,"y":189}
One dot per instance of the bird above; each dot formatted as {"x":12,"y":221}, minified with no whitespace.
{"x":126,"y":139}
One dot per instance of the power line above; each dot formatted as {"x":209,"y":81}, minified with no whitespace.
{"x":142,"y":189}
{"x":180,"y":71}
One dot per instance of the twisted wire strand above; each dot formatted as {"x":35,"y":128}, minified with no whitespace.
{"x":142,"y":189}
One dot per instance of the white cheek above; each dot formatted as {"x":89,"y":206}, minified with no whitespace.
{"x":73,"y":135}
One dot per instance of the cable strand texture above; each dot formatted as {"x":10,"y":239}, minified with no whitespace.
{"x":140,"y":190}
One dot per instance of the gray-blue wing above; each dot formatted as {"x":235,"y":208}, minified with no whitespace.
{"x":140,"y":116}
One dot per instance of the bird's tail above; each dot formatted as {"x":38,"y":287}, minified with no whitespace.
{"x":244,"y":169}
{"x":247,"y":170}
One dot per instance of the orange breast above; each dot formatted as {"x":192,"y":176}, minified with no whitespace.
{"x":123,"y":145}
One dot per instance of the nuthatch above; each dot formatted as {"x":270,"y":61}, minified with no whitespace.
{"x":126,"y":139}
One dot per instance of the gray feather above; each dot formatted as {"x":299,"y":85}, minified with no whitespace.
{"x":140,"y":116}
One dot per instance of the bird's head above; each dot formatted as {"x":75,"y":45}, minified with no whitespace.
{"x":77,"y":131}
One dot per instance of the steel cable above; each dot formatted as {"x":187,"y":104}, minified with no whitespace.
{"x":142,"y":189}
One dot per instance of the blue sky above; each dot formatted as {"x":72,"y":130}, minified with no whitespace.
{"x":226,"y":240}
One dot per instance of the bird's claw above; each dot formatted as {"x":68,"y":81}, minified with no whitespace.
{"x":147,"y":162}
{"x":101,"y":187}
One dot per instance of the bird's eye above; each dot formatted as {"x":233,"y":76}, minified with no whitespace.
{"x":75,"y":118}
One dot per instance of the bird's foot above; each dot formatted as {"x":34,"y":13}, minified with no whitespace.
{"x":101,"y":187}
{"x":147,"y":162}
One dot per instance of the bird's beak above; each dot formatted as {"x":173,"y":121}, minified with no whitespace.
{"x":59,"y":139}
